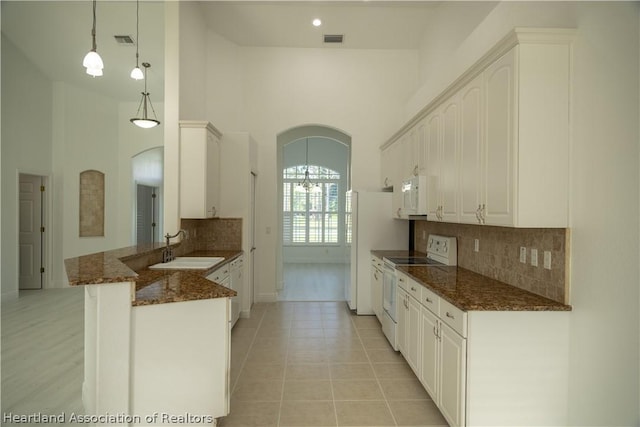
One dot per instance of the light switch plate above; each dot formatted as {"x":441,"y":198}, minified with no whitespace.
{"x":547,"y":260}
{"x":523,"y":254}
{"x":476,"y":245}
{"x":534,"y":257}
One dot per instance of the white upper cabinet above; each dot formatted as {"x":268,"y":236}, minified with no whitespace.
{"x":441,"y":142}
{"x":449,"y":161}
{"x":497,"y":207}
{"x":199,"y":169}
{"x":471,"y":151}
{"x":432,"y":165}
{"x":496,"y":142}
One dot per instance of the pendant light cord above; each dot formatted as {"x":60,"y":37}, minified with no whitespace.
{"x":138,"y":35}
{"x":93,"y":29}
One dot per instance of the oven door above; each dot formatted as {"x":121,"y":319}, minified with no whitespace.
{"x":389,"y":292}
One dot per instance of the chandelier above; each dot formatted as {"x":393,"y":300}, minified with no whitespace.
{"x":306,"y":184}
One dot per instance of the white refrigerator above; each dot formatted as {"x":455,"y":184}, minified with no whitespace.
{"x":372,"y":227}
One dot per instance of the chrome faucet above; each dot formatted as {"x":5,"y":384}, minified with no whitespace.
{"x":167,"y":253}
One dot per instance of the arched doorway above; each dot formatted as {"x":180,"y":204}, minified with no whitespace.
{"x":313,"y":261}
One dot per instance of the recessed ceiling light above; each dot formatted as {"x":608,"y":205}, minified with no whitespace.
{"x":317,"y":22}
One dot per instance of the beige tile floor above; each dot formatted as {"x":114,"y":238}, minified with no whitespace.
{"x":317,"y":364}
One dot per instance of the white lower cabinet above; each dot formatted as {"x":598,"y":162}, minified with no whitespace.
{"x":376,"y":286}
{"x":443,"y":366}
{"x":401,"y":337}
{"x":236,"y":282}
{"x":409,"y":327}
{"x":452,"y":364}
{"x":413,"y":334}
{"x":430,"y":352}
{"x":498,"y":368}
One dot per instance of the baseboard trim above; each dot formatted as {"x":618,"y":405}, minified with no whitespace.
{"x":10,"y":296}
{"x":268,"y":297}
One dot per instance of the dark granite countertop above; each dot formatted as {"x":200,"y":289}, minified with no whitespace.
{"x":151,"y":286}
{"x":471,"y":291}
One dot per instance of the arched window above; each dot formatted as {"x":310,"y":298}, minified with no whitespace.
{"x":310,"y":216}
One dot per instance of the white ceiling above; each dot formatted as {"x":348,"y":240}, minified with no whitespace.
{"x":55,"y":35}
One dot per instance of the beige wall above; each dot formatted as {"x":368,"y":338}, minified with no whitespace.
{"x":359,"y":92}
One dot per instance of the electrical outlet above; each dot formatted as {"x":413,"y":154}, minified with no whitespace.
{"x":523,"y":254}
{"x":534,"y":257}
{"x":476,"y":245}
{"x":424,"y":234}
{"x":547,"y":260}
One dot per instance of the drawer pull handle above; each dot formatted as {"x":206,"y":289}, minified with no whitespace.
{"x":427,"y":299}
{"x":449,"y":315}
{"x":413,"y":289}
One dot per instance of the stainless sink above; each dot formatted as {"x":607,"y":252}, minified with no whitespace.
{"x":188,"y":263}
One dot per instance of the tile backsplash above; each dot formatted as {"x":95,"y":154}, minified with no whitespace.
{"x":221,"y":234}
{"x":499,"y":254}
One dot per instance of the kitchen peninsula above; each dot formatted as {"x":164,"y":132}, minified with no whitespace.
{"x":157,"y":342}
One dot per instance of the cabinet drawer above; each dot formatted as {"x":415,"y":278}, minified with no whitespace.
{"x":453,"y":317}
{"x":377,"y":262}
{"x":219,"y":275}
{"x":403,"y":280}
{"x":414,"y":289}
{"x":431,"y":301}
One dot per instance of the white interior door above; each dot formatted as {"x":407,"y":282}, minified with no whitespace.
{"x":31,"y":231}
{"x":252,"y":233}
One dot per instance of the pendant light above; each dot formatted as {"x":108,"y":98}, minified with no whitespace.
{"x":306,"y":184}
{"x":92,"y":61}
{"x":144,"y":121}
{"x":136,"y":73}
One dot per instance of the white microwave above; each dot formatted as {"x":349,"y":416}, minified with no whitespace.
{"x":414,"y":196}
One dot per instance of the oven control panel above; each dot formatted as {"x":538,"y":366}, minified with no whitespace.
{"x":443,"y":249}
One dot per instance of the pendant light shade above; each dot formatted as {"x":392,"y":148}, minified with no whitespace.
{"x":144,"y":121}
{"x":92,"y":61}
{"x":136,"y":73}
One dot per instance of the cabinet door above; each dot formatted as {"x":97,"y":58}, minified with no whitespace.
{"x":421,"y":150}
{"x":396,"y":157}
{"x":411,"y":153}
{"x":213,"y":176}
{"x":199,"y":170}
{"x":414,"y":326}
{"x":432,"y":170}
{"x":385,"y":167}
{"x":237,"y":284}
{"x":453,"y":357}
{"x":376,"y":290}
{"x":429,"y":356}
{"x":401,"y":338}
{"x":449,"y":161}
{"x":471,"y":117}
{"x":499,"y":140}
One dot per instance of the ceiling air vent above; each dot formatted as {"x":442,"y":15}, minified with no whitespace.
{"x":333,"y":38}
{"x":124,"y":40}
